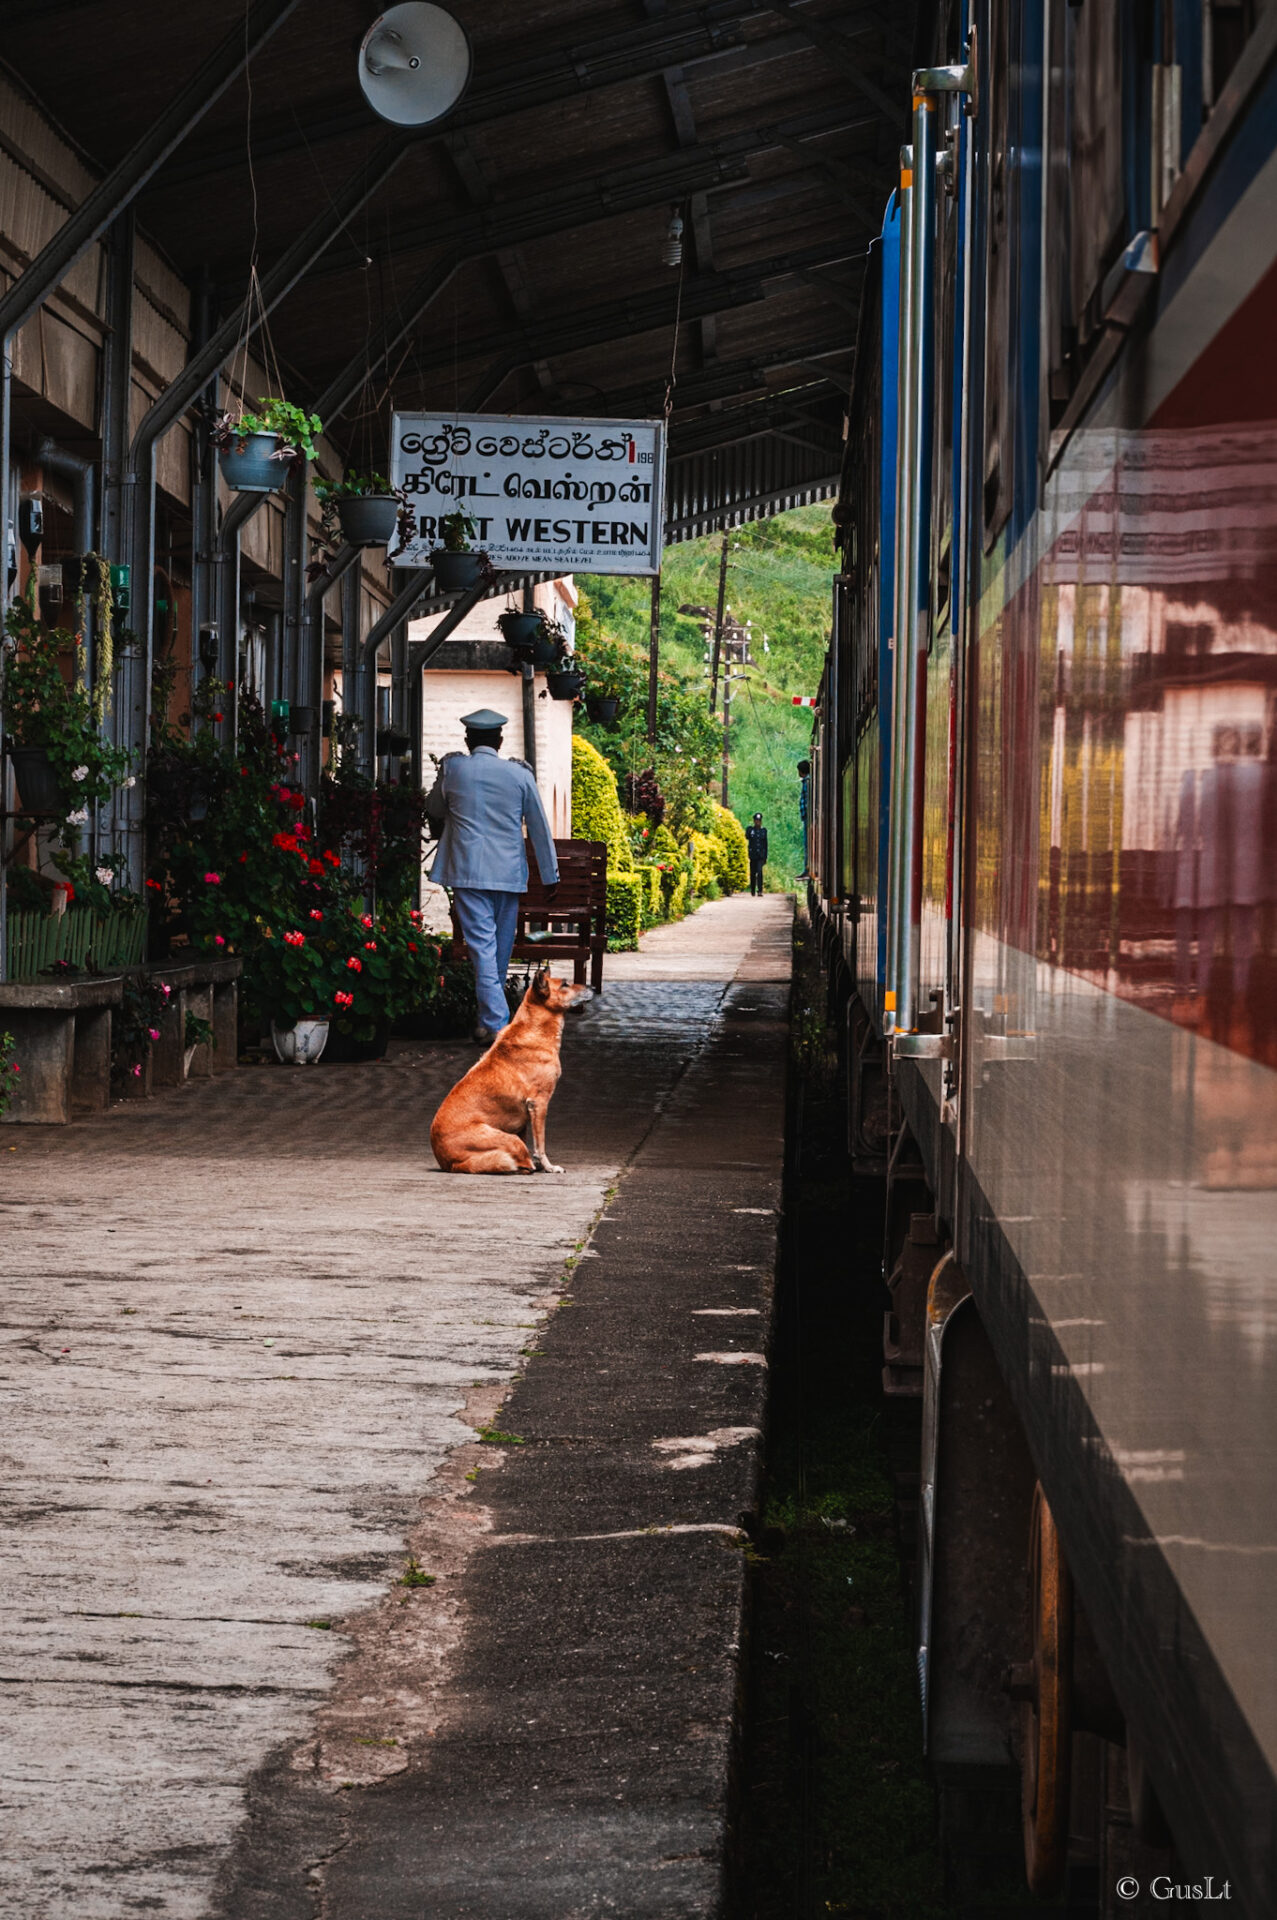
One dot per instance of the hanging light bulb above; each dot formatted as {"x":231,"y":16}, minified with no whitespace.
{"x":672,"y":251}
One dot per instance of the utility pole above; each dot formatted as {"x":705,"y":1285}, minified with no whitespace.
{"x":718,"y":626}
{"x":727,"y":713}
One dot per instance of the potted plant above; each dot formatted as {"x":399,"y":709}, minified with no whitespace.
{"x":457,"y":565}
{"x":62,"y":764}
{"x":293,"y":972}
{"x":534,"y":637}
{"x":601,"y":707}
{"x":565,"y":684}
{"x":364,"y":510}
{"x":197,"y":1032}
{"x":261,"y":447}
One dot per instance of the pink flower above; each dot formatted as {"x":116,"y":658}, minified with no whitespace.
{"x":218,"y":940}
{"x":165,"y":989}
{"x":136,"y":1072}
{"x":212,"y":879}
{"x":154,"y":1032}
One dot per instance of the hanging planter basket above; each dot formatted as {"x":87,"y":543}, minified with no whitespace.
{"x":565,"y":686}
{"x":520,"y":630}
{"x":247,"y":466}
{"x":456,"y":572}
{"x":38,"y":786}
{"x":394,"y":741}
{"x":368,"y":519}
{"x":602,"y":707}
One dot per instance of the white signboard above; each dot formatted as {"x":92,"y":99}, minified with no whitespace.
{"x":546,"y":496}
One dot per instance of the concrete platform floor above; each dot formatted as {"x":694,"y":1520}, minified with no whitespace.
{"x":282,"y":1633}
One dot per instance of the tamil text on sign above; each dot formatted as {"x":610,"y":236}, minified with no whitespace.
{"x":545,"y":496}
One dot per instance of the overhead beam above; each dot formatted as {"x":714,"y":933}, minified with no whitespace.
{"x":637,"y":314}
{"x":708,"y":39}
{"x":124,"y":182}
{"x":845,"y":57}
{"x":603,"y":196}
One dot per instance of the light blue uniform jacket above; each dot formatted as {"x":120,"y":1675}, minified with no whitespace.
{"x":486,"y":802}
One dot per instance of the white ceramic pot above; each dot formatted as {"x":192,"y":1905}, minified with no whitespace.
{"x":188,"y":1055}
{"x":300,"y":1046}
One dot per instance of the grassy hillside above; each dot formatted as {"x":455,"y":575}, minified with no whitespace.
{"x":779,"y":574}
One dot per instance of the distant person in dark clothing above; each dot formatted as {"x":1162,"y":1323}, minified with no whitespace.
{"x":757,"y":838}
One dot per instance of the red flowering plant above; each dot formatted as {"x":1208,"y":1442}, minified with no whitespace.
{"x":381,"y":967}
{"x":237,"y":875}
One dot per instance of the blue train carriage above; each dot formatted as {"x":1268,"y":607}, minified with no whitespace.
{"x":1049,"y":892}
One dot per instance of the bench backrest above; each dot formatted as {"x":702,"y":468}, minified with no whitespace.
{"x":582,"y":883}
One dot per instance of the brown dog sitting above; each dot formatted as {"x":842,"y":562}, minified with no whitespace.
{"x":478,"y":1127}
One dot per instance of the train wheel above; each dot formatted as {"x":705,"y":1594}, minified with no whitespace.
{"x":1046,"y":1717}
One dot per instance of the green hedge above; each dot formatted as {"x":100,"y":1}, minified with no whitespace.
{"x":625,"y":909}
{"x":651,"y":897}
{"x":596,"y":805}
{"x":733,"y":869}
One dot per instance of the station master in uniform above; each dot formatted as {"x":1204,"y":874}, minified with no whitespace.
{"x":480,"y":805}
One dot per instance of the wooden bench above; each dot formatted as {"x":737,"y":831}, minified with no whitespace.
{"x":572,"y":927}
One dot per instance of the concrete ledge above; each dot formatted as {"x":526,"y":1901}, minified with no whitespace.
{"x":62,"y":1045}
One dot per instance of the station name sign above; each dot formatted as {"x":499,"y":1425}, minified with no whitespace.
{"x":546,"y":496}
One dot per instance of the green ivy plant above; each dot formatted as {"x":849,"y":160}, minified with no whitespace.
{"x":297,"y":430}
{"x":46,"y":707}
{"x":458,"y":532}
{"x":9,"y":1073}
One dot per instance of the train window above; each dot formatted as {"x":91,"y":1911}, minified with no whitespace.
{"x":998,"y":425}
{"x":1228,"y":26}
{"x":1087,"y":219}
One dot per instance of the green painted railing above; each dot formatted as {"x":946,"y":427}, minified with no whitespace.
{"x":80,"y":936}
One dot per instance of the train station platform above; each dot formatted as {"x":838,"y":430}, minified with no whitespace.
{"x":373,"y":1538}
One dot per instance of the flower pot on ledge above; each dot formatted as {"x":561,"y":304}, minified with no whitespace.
{"x":300,"y":1045}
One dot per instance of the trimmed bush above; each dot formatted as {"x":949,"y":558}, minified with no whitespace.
{"x":625,"y":909}
{"x":734,"y":868}
{"x":596,"y":807}
{"x":664,"y":848}
{"x":652,"y":897}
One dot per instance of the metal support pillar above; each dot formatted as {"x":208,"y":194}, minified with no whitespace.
{"x":904,"y":500}
{"x":6,"y":533}
{"x":528,"y":688}
{"x":204,"y":613}
{"x":128,"y":532}
{"x":913,"y":543}
{"x":653,"y":659}
{"x":353,"y":665}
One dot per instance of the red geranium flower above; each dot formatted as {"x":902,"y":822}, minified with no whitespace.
{"x":331,"y":858}
{"x":315,"y":914}
{"x":344,"y":999}
{"x":370,"y":946}
{"x":287,"y":841}
{"x":315,"y":866}
{"x":412,"y":946}
{"x":155,"y":886}
{"x":356,"y":966}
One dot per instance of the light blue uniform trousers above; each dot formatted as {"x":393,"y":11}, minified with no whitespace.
{"x":489,"y":920}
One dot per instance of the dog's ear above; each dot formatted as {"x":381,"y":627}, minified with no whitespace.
{"x":541,"y":983}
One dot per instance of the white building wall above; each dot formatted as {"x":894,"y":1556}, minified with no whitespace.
{"x":451,"y":691}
